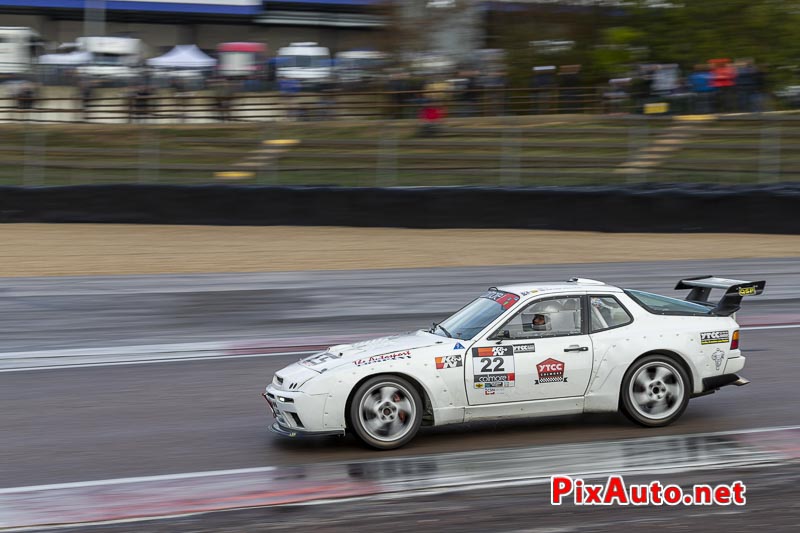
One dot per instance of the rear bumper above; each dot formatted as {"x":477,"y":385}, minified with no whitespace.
{"x":714,"y":383}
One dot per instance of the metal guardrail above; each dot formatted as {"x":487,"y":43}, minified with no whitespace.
{"x":206,"y":106}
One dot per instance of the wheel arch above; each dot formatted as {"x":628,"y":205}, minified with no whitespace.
{"x":427,"y":409}
{"x":681,"y":360}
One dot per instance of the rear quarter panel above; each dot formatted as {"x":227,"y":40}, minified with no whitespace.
{"x":615,"y":350}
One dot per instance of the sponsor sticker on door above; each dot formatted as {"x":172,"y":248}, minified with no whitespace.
{"x":493,"y":366}
{"x":525,"y":348}
{"x":550,"y":371}
{"x":714,"y":337}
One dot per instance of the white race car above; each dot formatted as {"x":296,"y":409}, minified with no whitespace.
{"x":521,"y":351}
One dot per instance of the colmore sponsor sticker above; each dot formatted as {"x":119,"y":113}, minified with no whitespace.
{"x":382,"y":358}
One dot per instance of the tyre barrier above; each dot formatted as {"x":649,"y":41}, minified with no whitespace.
{"x":642,"y":208}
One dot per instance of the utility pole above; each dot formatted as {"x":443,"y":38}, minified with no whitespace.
{"x":451,"y":27}
{"x":94,"y":18}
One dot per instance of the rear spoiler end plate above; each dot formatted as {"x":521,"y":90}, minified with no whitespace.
{"x":735,"y":290}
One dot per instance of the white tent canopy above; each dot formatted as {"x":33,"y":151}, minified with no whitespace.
{"x":183,"y":56}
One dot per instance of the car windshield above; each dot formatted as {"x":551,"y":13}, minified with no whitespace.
{"x":655,"y":303}
{"x":472,"y":318}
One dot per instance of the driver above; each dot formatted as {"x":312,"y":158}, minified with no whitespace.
{"x":539,"y":322}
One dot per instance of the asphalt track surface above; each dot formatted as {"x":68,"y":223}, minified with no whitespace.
{"x":83,"y":312}
{"x":92,"y":423}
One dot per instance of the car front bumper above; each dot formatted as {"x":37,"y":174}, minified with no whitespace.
{"x":294,"y":433}
{"x":297,"y":414}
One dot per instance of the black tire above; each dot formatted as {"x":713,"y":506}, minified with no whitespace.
{"x":386,"y":412}
{"x":655,"y":391}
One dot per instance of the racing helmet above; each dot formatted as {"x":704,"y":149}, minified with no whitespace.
{"x":538,"y":317}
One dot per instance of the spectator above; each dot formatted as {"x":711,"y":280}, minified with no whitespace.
{"x":140,"y":103}
{"x":431,"y":116}
{"x":702,"y":90}
{"x":616,"y":96}
{"x":398,"y":85}
{"x":26,"y":96}
{"x":723,"y":80}
{"x":542,"y":85}
{"x":85,"y":91}
{"x":569,"y":84}
{"x":758,"y":90}
{"x":495,"y":83}
{"x":749,"y":87}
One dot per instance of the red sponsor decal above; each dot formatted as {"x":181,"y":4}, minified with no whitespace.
{"x":507,"y":300}
{"x":492,"y":351}
{"x":550,"y":368}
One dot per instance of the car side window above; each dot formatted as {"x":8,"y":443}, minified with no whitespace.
{"x":607,"y":313}
{"x":553,"y":317}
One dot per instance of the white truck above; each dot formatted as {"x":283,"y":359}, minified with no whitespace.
{"x":306,"y":63}
{"x":19,"y":47}
{"x":111,"y":57}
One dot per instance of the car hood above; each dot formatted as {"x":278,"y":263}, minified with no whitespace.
{"x":396,"y":345}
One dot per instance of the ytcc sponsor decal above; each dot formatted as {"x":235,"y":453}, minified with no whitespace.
{"x":550,"y":371}
{"x":714,"y":337}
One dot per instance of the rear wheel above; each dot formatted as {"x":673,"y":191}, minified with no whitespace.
{"x":655,"y":391}
{"x":386,"y":412}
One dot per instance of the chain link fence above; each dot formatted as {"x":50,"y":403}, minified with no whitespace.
{"x":459,"y":148}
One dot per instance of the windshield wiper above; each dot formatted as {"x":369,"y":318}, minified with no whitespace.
{"x":435,"y":325}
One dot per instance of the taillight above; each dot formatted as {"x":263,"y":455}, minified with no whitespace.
{"x":735,"y":340}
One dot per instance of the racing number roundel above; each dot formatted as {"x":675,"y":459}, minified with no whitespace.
{"x":493,"y":366}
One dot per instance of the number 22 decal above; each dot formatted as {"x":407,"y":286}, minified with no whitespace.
{"x":487,"y":364}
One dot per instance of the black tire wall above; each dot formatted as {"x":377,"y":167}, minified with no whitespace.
{"x":664,"y":208}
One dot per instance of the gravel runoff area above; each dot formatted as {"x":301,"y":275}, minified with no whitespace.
{"x":107,"y":249}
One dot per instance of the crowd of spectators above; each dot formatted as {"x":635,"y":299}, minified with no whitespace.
{"x":717,"y":86}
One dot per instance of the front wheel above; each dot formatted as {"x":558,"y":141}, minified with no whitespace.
{"x":386,"y":412}
{"x":655,"y":391}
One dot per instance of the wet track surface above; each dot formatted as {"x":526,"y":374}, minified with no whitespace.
{"x":772,"y":503}
{"x":106,"y":422}
{"x":94,"y":423}
{"x":42,"y":313}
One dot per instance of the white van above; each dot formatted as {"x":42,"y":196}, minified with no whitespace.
{"x":19,"y":47}
{"x":360,"y":66}
{"x":306,"y":63}
{"x":111,"y":57}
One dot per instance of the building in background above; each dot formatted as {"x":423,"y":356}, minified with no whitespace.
{"x":161,"y":24}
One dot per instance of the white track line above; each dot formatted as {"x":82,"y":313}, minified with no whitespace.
{"x":152,"y":361}
{"x":142,"y":479}
{"x":218,"y":357}
{"x":783,"y":326}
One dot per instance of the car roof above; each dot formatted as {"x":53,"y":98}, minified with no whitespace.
{"x":580,"y":285}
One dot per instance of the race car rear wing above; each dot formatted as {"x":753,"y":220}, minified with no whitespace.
{"x":735,"y":290}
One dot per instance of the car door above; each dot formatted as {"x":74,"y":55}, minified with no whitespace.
{"x":542,"y":352}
